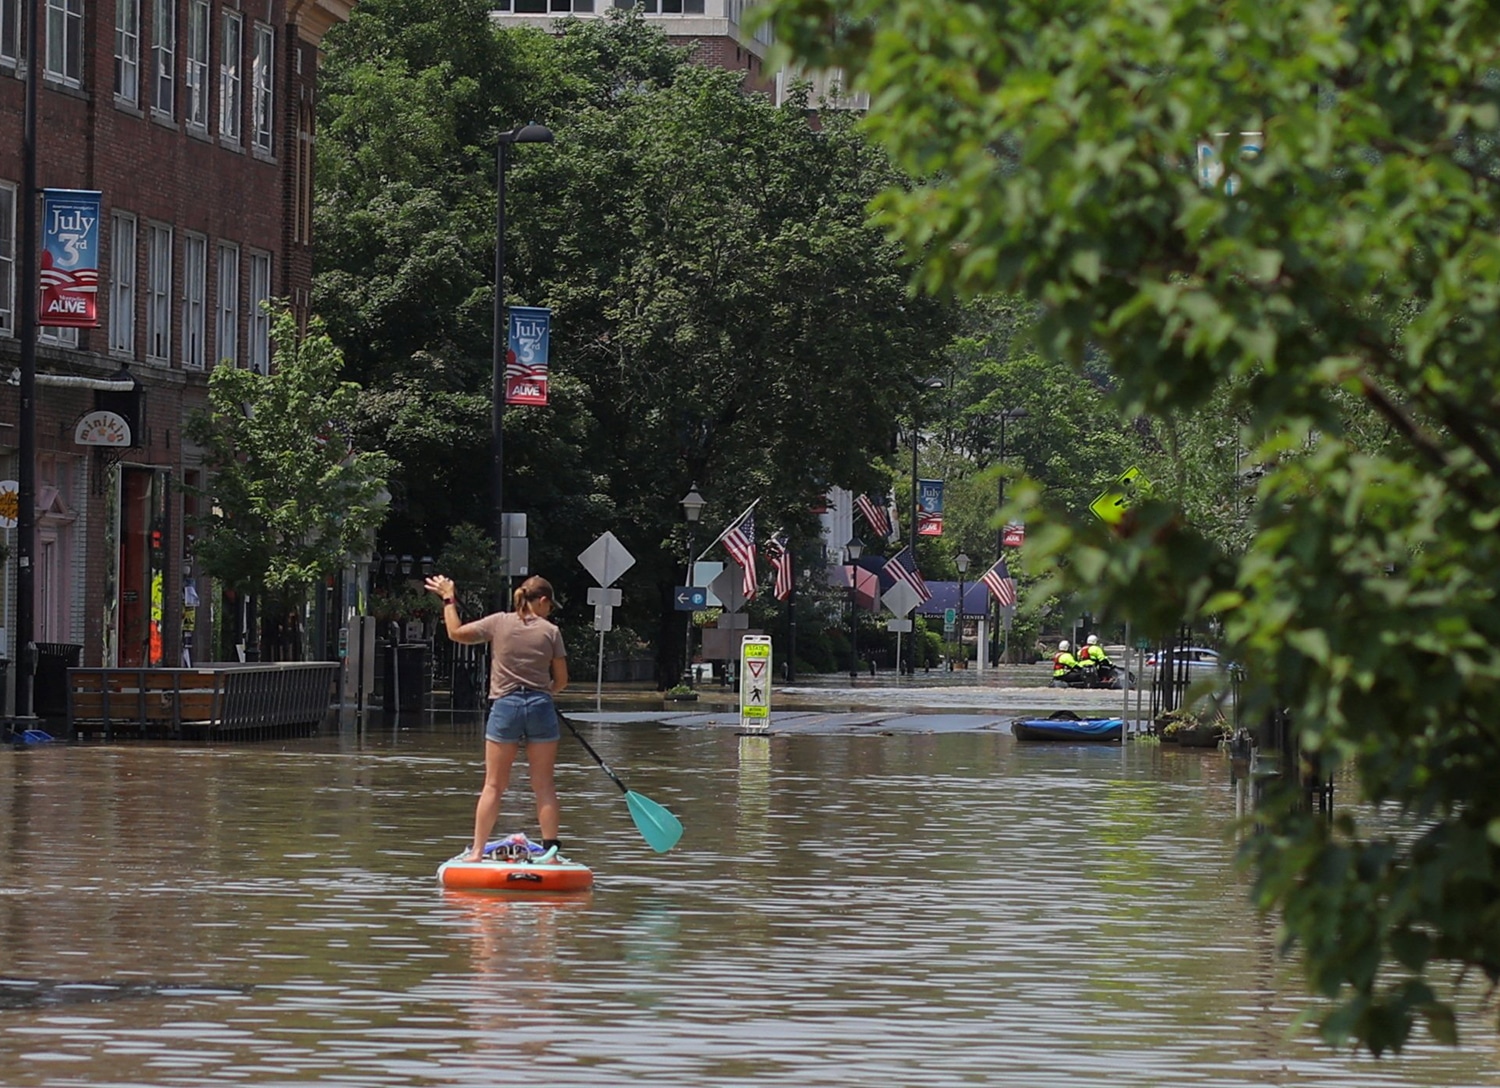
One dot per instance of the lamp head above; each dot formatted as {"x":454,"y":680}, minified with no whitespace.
{"x":529,"y":133}
{"x":406,"y":562}
{"x":961,"y":561}
{"x":854,"y":549}
{"x":693,"y":503}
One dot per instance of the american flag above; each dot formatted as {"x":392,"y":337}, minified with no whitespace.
{"x":739,"y":541}
{"x":877,"y":517}
{"x":781,"y":564}
{"x":1001,"y":584}
{"x":902,"y":566}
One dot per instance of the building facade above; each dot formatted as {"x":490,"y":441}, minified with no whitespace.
{"x":194,"y":119}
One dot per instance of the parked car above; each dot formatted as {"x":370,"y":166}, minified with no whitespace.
{"x":1196,"y":659}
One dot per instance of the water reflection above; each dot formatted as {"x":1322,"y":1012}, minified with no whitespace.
{"x":916,"y":910}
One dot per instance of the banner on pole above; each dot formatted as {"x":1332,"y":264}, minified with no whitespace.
{"x":1014,"y":534}
{"x":70,"y":258}
{"x":929,"y":507}
{"x":526,"y":357}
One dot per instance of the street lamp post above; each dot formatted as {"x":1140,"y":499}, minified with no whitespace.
{"x":853,"y":550}
{"x":961,"y":561}
{"x":922,"y":385}
{"x":522,"y":134}
{"x":692,"y":509}
{"x":1008,"y":414}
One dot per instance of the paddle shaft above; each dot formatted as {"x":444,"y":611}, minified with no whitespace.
{"x":589,"y":748}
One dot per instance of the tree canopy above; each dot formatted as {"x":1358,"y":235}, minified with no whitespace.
{"x":723,"y":311}
{"x":1329,"y":298}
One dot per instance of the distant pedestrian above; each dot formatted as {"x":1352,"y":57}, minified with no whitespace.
{"x":528,"y":666}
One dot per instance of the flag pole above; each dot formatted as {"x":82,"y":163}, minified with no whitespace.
{"x":725,"y":533}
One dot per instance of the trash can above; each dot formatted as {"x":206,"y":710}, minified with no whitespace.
{"x":49,"y":685}
{"x":406,"y":676}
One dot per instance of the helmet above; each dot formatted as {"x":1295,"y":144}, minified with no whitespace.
{"x":1093,"y":640}
{"x":1064,"y":646}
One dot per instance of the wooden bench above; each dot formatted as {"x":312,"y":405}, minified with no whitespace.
{"x":241,"y":701}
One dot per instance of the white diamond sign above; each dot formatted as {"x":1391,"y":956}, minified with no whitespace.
{"x":900,"y":598}
{"x":606,"y":559}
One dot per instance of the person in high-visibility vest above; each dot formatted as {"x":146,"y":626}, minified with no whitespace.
{"x":1064,"y":664}
{"x":1095,"y":653}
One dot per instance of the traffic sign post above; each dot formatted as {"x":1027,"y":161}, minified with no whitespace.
{"x":606,"y":559}
{"x":755,"y":682}
{"x":900,"y":599}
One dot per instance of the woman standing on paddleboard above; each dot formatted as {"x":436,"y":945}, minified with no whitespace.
{"x":528,"y":666}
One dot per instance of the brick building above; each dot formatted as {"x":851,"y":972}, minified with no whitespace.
{"x":194,"y":118}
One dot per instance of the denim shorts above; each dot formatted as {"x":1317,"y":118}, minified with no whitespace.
{"x":523,"y":713}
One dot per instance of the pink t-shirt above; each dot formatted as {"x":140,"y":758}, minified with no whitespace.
{"x":521,"y":651}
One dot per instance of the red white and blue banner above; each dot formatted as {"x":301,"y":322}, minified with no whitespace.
{"x":1014,"y":534}
{"x":70,"y":258}
{"x":929,"y":507}
{"x":526,"y":358}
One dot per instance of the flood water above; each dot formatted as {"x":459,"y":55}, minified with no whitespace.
{"x":903,"y":910}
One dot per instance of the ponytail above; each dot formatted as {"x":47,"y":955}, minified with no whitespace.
{"x":534,"y":589}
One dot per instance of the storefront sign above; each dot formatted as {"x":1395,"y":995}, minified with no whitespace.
{"x":101,"y":428}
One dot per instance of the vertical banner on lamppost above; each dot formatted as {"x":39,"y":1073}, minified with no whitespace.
{"x":929,"y":507}
{"x":1014,"y":534}
{"x":526,"y":359}
{"x":70,"y":258}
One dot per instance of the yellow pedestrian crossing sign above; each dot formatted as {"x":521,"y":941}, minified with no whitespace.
{"x":1120,"y":496}
{"x":755,"y":682}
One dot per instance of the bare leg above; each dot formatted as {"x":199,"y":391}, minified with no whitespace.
{"x":541,"y":758}
{"x":498,"y":757}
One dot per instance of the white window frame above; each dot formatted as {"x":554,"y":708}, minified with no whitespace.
{"x":158,"y":293}
{"x":163,"y":57}
{"x":263,"y":87}
{"x":7,"y":259}
{"x":197,"y":65}
{"x":231,"y":67}
{"x":123,"y":261}
{"x":128,"y":51}
{"x":258,"y":323}
{"x":227,"y":321}
{"x":12,"y":41}
{"x":194,"y":299}
{"x":63,"y":336}
{"x":63,"y":51}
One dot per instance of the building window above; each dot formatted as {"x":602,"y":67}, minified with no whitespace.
{"x":52,"y":334}
{"x":64,"y":48}
{"x":7,"y":259}
{"x":262,"y":71}
{"x":197,"y":65}
{"x":227,"y":323}
{"x":302,"y":192}
{"x":128,"y":51}
{"x":11,"y":38}
{"x":163,"y":56}
{"x":194,"y":298}
{"x":122,"y":264}
{"x":159,"y":293}
{"x":233,"y":47}
{"x":258,"y":340}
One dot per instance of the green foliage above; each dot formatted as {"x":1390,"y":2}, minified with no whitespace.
{"x":1317,"y":321}
{"x":288,"y":500}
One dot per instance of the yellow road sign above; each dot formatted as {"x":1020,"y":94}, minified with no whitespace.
{"x":1111,"y":505}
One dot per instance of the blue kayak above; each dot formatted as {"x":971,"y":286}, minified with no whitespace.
{"x":1067,"y":729}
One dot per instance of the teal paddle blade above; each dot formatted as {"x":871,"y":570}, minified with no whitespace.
{"x":658,"y":827}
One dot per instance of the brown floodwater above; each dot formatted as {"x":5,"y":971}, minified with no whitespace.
{"x":906,"y":910}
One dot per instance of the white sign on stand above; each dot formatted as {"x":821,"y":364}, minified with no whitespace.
{"x":606,"y":559}
{"x":755,"y":682}
{"x":900,"y":599}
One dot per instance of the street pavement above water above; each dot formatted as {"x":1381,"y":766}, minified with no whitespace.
{"x":937,"y":702}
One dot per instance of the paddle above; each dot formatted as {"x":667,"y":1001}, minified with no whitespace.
{"x":657,"y":826}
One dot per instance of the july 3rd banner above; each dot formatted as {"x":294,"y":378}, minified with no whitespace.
{"x":70,"y":258}
{"x":526,"y":361}
{"x":930,"y":507}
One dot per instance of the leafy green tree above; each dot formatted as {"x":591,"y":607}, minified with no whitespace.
{"x":1331,"y":298}
{"x":288,"y":500}
{"x":723,"y":312}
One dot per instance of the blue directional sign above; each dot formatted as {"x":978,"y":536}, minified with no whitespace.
{"x":690,"y":598}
